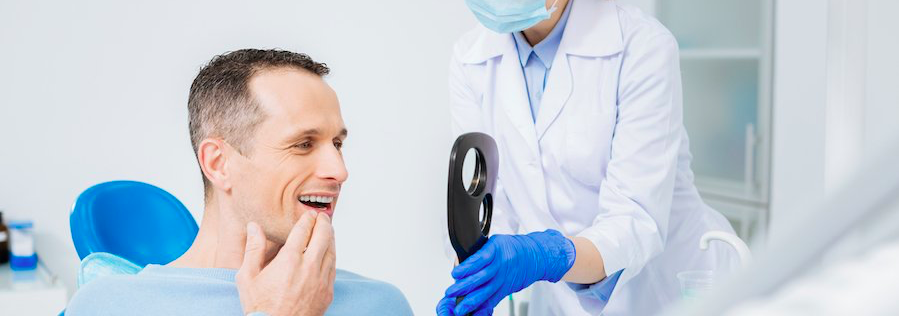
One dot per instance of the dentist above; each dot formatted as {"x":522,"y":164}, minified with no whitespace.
{"x":594,"y":189}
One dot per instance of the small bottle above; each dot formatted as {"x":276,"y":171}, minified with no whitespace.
{"x":4,"y":241}
{"x":21,"y":247}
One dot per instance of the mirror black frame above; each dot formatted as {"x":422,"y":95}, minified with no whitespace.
{"x":467,"y":231}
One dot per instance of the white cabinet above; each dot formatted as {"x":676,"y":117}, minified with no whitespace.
{"x":726,"y":54}
{"x":35,"y":292}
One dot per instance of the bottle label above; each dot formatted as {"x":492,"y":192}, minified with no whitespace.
{"x":3,"y":236}
{"x":21,"y":244}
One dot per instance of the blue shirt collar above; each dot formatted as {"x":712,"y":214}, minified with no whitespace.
{"x":546,"y":50}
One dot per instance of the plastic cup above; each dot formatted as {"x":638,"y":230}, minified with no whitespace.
{"x":696,"y":283}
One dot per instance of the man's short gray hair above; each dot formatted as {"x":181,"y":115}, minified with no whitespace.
{"x":221,"y":103}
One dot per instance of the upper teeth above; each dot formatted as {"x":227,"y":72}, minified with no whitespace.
{"x":317,"y":199}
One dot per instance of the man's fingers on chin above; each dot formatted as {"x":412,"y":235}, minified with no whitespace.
{"x":329,"y":262}
{"x":254,"y":253}
{"x":323,"y":216}
{"x":298,"y":238}
{"x":322,"y":237}
{"x":333,"y":276}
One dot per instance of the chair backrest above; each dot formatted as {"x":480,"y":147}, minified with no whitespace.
{"x":133,"y":220}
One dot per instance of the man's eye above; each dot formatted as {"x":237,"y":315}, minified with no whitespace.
{"x":305,"y":145}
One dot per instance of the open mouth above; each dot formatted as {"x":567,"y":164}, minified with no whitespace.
{"x":319,"y":202}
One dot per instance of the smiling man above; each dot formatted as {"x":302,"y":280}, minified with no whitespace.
{"x":267,"y":133}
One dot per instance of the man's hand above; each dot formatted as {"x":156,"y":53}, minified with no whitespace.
{"x":299,"y":280}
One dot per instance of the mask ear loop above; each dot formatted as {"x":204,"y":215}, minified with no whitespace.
{"x":553,"y":7}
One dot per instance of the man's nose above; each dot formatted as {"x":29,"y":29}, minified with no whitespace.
{"x":331,"y":165}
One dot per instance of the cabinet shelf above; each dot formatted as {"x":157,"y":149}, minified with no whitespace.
{"x":729,"y":191}
{"x":720,"y":54}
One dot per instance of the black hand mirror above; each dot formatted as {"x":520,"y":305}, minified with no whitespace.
{"x":472,"y":177}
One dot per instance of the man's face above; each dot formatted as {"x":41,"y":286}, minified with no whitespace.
{"x":294,"y":163}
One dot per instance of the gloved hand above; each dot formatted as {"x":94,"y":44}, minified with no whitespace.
{"x":505,"y":265}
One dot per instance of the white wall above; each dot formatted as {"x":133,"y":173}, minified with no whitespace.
{"x":92,"y":91}
{"x":808,"y":67}
{"x":882,"y":95}
{"x":797,"y":165}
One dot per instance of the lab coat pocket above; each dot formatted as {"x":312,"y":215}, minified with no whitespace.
{"x":587,"y":143}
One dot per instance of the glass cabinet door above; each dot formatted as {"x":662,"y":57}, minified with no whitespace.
{"x":725,"y":65}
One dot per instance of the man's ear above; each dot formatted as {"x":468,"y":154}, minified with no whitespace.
{"x":212,"y":158}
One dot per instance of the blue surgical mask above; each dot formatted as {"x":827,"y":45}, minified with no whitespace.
{"x":507,"y":16}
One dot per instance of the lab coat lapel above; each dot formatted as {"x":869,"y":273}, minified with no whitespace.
{"x":558,"y":90}
{"x":512,"y":96}
{"x":593,"y":30}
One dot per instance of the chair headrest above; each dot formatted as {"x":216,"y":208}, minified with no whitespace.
{"x":100,"y":264}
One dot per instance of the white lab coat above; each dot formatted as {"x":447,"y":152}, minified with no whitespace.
{"x":607,"y":159}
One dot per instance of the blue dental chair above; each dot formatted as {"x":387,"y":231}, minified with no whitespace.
{"x":133,"y":220}
{"x":118,"y":227}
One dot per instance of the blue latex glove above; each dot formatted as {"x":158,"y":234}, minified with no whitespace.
{"x":505,"y":265}
{"x":448,"y":304}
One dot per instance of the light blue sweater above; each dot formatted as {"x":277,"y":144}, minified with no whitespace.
{"x":161,"y":290}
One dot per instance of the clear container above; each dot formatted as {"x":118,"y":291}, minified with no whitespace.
{"x":695,"y":284}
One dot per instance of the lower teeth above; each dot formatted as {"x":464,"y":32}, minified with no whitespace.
{"x":316,"y":204}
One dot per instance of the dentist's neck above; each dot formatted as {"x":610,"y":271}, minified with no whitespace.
{"x":540,"y":31}
{"x":220,"y":242}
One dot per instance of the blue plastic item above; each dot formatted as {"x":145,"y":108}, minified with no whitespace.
{"x":22,"y":256}
{"x":17,"y":263}
{"x":133,"y":220}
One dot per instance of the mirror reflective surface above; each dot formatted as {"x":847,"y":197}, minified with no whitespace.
{"x":470,"y":172}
